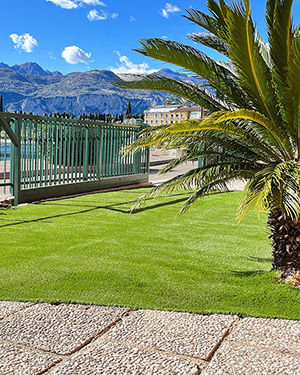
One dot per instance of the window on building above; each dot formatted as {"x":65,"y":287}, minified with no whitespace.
{"x":195,"y":114}
{"x":177,"y":115}
{"x":153,"y":115}
{"x":162,"y":121}
{"x":167,"y":115}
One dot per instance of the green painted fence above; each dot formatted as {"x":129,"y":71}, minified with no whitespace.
{"x":48,"y":156}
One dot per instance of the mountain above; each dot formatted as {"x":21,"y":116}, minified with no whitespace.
{"x":30,"y":88}
{"x":29,"y":68}
{"x":76,"y":92}
{"x":168,"y":73}
{"x":4,"y":66}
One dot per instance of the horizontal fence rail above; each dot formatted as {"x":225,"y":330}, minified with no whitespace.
{"x":52,"y":152}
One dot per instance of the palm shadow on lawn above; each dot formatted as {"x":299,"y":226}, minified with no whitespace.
{"x":112,"y":207}
{"x":249,"y":273}
{"x":253,"y":273}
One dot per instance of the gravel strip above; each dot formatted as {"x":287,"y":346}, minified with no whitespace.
{"x":179,"y":333}
{"x":8,"y":307}
{"x":108,"y":358}
{"x":241,"y":359}
{"x":58,"y":329}
{"x":277,"y":334}
{"x":20,"y":361}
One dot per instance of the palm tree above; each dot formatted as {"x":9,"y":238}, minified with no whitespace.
{"x":252,"y":130}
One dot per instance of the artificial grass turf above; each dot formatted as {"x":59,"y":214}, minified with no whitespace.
{"x":89,"y":249}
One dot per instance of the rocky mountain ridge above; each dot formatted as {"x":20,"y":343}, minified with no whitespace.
{"x":41,"y":91}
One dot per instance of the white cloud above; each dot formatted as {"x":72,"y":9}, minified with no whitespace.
{"x":128,"y":66}
{"x":169,"y":8}
{"x":131,"y":19}
{"x":95,"y":16}
{"x":164,"y":37}
{"x":51,"y":56}
{"x":65,"y":4}
{"x":73,"y":4}
{"x":24,"y":42}
{"x":74,"y":55}
{"x":93,"y":2}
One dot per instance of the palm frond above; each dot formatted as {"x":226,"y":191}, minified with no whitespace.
{"x":254,"y":75}
{"x":210,"y":40}
{"x":273,"y":186}
{"x":195,"y":61}
{"x":279,"y":28}
{"x":190,"y":91}
{"x":207,"y":22}
{"x":207,"y":179}
{"x":294,"y":92}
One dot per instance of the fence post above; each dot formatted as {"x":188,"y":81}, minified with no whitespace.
{"x":86,"y":153}
{"x":99,"y":152}
{"x":15,"y":172}
{"x":136,"y":156}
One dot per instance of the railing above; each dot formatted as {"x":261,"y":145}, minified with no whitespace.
{"x":52,"y":152}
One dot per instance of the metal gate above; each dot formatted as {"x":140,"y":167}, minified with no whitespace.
{"x":43,"y":156}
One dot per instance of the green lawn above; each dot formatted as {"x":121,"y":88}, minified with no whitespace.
{"x":90,"y":250}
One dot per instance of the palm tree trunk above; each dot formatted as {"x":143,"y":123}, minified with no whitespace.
{"x":285,"y":235}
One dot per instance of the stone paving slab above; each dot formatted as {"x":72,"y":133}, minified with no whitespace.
{"x":109,"y":358}
{"x":242,"y":359}
{"x":18,"y":360}
{"x":179,"y":333}
{"x":277,"y":334}
{"x":8,"y":307}
{"x":58,"y":329}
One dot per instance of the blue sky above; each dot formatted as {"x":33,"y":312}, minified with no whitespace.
{"x":80,"y":35}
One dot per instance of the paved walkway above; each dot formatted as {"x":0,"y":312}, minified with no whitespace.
{"x":91,"y":340}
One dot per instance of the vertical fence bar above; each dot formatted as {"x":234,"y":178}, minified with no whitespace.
{"x":36,"y":152}
{"x":81,"y":152}
{"x":4,"y":160}
{"x":47,"y":151}
{"x":99,"y":152}
{"x":41,"y":152}
{"x":91,"y":148}
{"x":103,"y":157}
{"x":137,"y":156}
{"x":22,"y":152}
{"x":76,"y":150}
{"x":60,"y":142}
{"x":15,"y":161}
{"x":85,"y":153}
{"x":69,"y":152}
{"x":73,"y":152}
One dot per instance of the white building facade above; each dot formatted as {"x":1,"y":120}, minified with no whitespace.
{"x":170,"y":114}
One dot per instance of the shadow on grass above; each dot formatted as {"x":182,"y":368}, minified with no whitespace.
{"x":248,"y":273}
{"x":112,"y":207}
{"x":259,"y":260}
